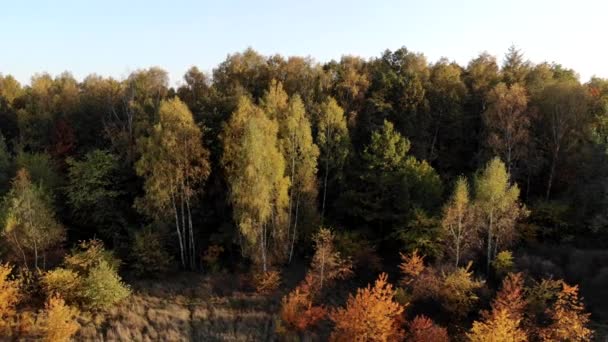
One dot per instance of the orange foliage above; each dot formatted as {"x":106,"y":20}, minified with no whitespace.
{"x":423,"y":329}
{"x":510,"y":296}
{"x":371,"y":315}
{"x":297,"y":309}
{"x":411,"y":267}
{"x":267,"y":282}
{"x":60,"y":324}
{"x":9,"y":297}
{"x":569,"y":320}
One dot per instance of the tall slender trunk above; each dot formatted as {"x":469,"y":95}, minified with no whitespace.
{"x":21,"y":250}
{"x":179,"y":233}
{"x":489,"y":251}
{"x":190,"y":227}
{"x":295,"y":228}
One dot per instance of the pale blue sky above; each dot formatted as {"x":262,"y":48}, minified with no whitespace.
{"x":115,"y":37}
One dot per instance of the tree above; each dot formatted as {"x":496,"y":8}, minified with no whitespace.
{"x":59,"y":320}
{"x":30,"y":225}
{"x":508,"y":122}
{"x":93,"y":192}
{"x":299,"y":153}
{"x":569,"y":320}
{"x":514,"y":68}
{"x":412,"y":265}
{"x":423,"y":329}
{"x":458,"y":221}
{"x":457,"y":293}
{"x":564,"y":110}
{"x":5,"y":165}
{"x":334,"y":142}
{"x":499,"y":328}
{"x":174,"y":164}
{"x":370,"y":315}
{"x":255,"y":169}
{"x":498,"y":205}
{"x":327,"y":263}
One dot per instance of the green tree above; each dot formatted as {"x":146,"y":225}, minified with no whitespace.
{"x":514,"y":67}
{"x":92,"y":191}
{"x":334,"y":145}
{"x":497,"y":201}
{"x":30,"y":225}
{"x":255,"y":171}
{"x":174,"y":164}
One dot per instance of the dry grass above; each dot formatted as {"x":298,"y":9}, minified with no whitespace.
{"x":187,"y":307}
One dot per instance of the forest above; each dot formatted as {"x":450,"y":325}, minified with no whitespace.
{"x":284,"y":199}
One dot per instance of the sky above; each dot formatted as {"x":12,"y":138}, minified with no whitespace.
{"x":116,"y":37}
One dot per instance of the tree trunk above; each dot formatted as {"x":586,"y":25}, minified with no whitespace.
{"x":489,"y":251}
{"x":179,"y":234}
{"x":295,"y":228}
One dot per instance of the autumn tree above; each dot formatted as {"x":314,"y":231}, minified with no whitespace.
{"x":457,"y":222}
{"x":564,"y":110}
{"x":299,"y":152}
{"x":411,"y":266}
{"x":457,"y":293}
{"x":334,"y":142}
{"x":59,"y":320}
{"x":370,"y":315}
{"x":423,"y":329}
{"x":327,"y":264}
{"x":496,"y":200}
{"x":500,"y":328}
{"x":569,"y":322}
{"x":30,"y":225}
{"x":508,"y":122}
{"x":255,"y":169}
{"x":174,"y":164}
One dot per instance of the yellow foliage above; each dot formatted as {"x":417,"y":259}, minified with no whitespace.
{"x":59,"y":320}
{"x":9,"y":297}
{"x":458,"y":291}
{"x":371,"y":315}
{"x":499,"y":327}
{"x":267,"y":282}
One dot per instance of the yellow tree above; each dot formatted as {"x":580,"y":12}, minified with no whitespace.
{"x":508,"y":122}
{"x":254,"y":169}
{"x":59,"y":320}
{"x":327,"y":264}
{"x":9,"y":297}
{"x":299,"y":152}
{"x":370,"y":315}
{"x":334,"y":141}
{"x":173,"y":163}
{"x":30,"y":225}
{"x":457,"y":221}
{"x":498,"y":206}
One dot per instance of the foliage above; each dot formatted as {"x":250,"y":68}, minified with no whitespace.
{"x":88,"y":254}
{"x":102,"y":287}
{"x":423,"y":329}
{"x":59,"y":320}
{"x":267,"y":282}
{"x":568,"y":318}
{"x":30,"y":225}
{"x":503,"y":263}
{"x":150,"y":257}
{"x":458,"y":291}
{"x":64,"y":283}
{"x":10,"y":295}
{"x":412,"y":265}
{"x":499,"y":328}
{"x":327,"y":263}
{"x":370,"y":315}
{"x":458,"y":222}
{"x":297,"y":310}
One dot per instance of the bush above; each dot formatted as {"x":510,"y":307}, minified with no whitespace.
{"x":423,"y":329}
{"x":149,"y":255}
{"x":89,"y":254}
{"x":63,"y":282}
{"x":267,"y":282}
{"x":297,"y":310}
{"x":9,"y":297}
{"x":102,"y":287}
{"x":503,"y":263}
{"x":59,"y":320}
{"x":458,"y":291}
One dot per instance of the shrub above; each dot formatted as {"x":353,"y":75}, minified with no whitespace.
{"x":503,"y":263}
{"x":458,"y":291}
{"x":370,"y":315}
{"x":267,"y":282}
{"x":102,"y":287}
{"x":423,"y":329}
{"x":297,"y":310}
{"x":9,"y":297}
{"x":63,"y":282}
{"x":59,"y":320}
{"x":211,"y":258}
{"x":411,"y":267}
{"x":149,"y":255}
{"x":89,"y":254}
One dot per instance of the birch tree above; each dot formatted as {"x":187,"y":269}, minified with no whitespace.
{"x":457,"y":220}
{"x":258,"y":188}
{"x":174,"y":164}
{"x":30,"y":225}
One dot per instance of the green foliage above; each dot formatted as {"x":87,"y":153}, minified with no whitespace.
{"x":503,"y":263}
{"x":5,"y":165}
{"x":41,"y":168}
{"x":423,"y":233}
{"x":102,"y":287}
{"x":63,"y":282}
{"x":88,"y":254}
{"x":92,"y":190}
{"x":149,"y":255}
{"x":458,"y":292}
